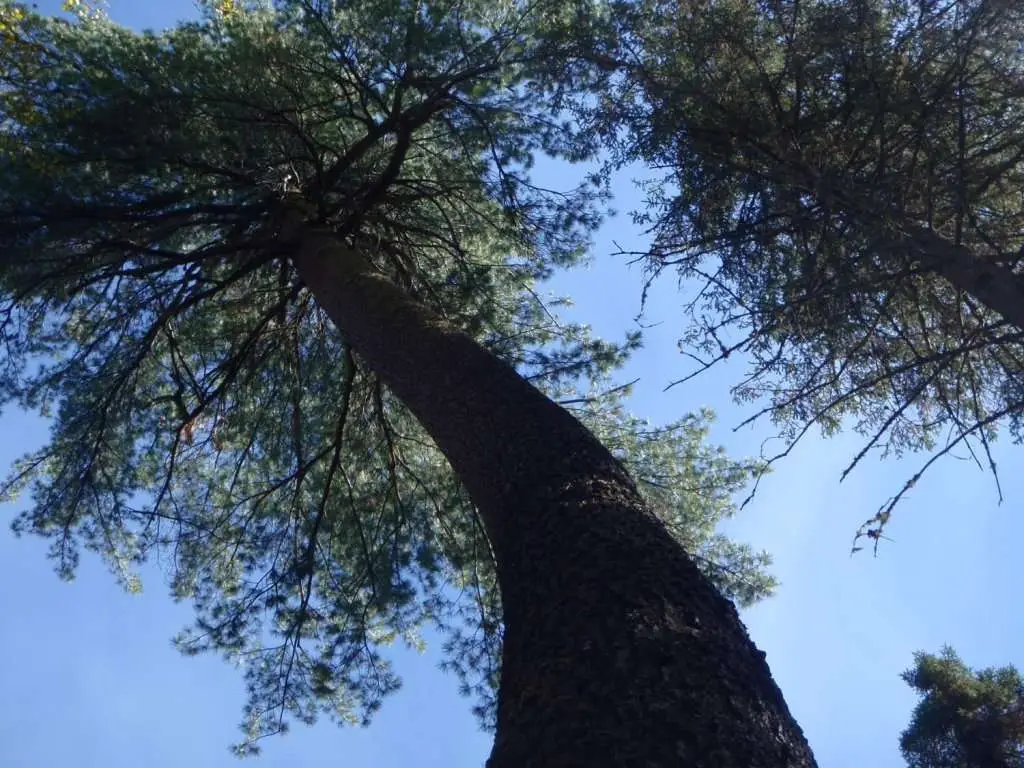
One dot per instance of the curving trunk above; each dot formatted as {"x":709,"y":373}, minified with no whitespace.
{"x":617,"y":652}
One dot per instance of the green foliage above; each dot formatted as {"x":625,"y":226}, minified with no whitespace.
{"x":804,"y":142}
{"x":965,"y":719}
{"x":204,"y":408}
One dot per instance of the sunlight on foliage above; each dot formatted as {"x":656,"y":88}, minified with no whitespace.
{"x":204,"y":408}
{"x":85,"y":10}
{"x":227,"y":8}
{"x":11,"y":17}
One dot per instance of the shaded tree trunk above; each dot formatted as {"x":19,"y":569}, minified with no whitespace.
{"x":996,"y":286}
{"x":618,"y":651}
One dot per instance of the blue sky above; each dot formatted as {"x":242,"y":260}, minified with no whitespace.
{"x":88,"y":676}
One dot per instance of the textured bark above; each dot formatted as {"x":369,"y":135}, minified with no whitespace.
{"x":617,"y":651}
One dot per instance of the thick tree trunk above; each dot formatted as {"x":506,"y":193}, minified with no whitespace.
{"x":618,"y":652}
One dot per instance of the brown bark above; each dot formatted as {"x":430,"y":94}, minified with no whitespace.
{"x":617,"y":651}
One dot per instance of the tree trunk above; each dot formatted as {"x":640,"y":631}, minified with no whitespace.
{"x":996,"y":286}
{"x":617,"y":651}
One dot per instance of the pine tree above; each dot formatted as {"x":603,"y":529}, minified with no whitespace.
{"x":965,"y":719}
{"x":843,"y":194}
{"x":272,"y":274}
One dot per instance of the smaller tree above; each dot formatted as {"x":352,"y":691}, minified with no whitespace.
{"x":965,"y":719}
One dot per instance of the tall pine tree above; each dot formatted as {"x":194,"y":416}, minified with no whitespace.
{"x":272,"y":275}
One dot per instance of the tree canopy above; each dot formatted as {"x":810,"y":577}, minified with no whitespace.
{"x":965,"y":718}
{"x":203,"y":407}
{"x":839,"y":185}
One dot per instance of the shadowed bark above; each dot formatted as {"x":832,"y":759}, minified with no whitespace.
{"x":991,"y":282}
{"x":617,"y":650}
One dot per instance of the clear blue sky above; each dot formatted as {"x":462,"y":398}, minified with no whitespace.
{"x":88,"y":676}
